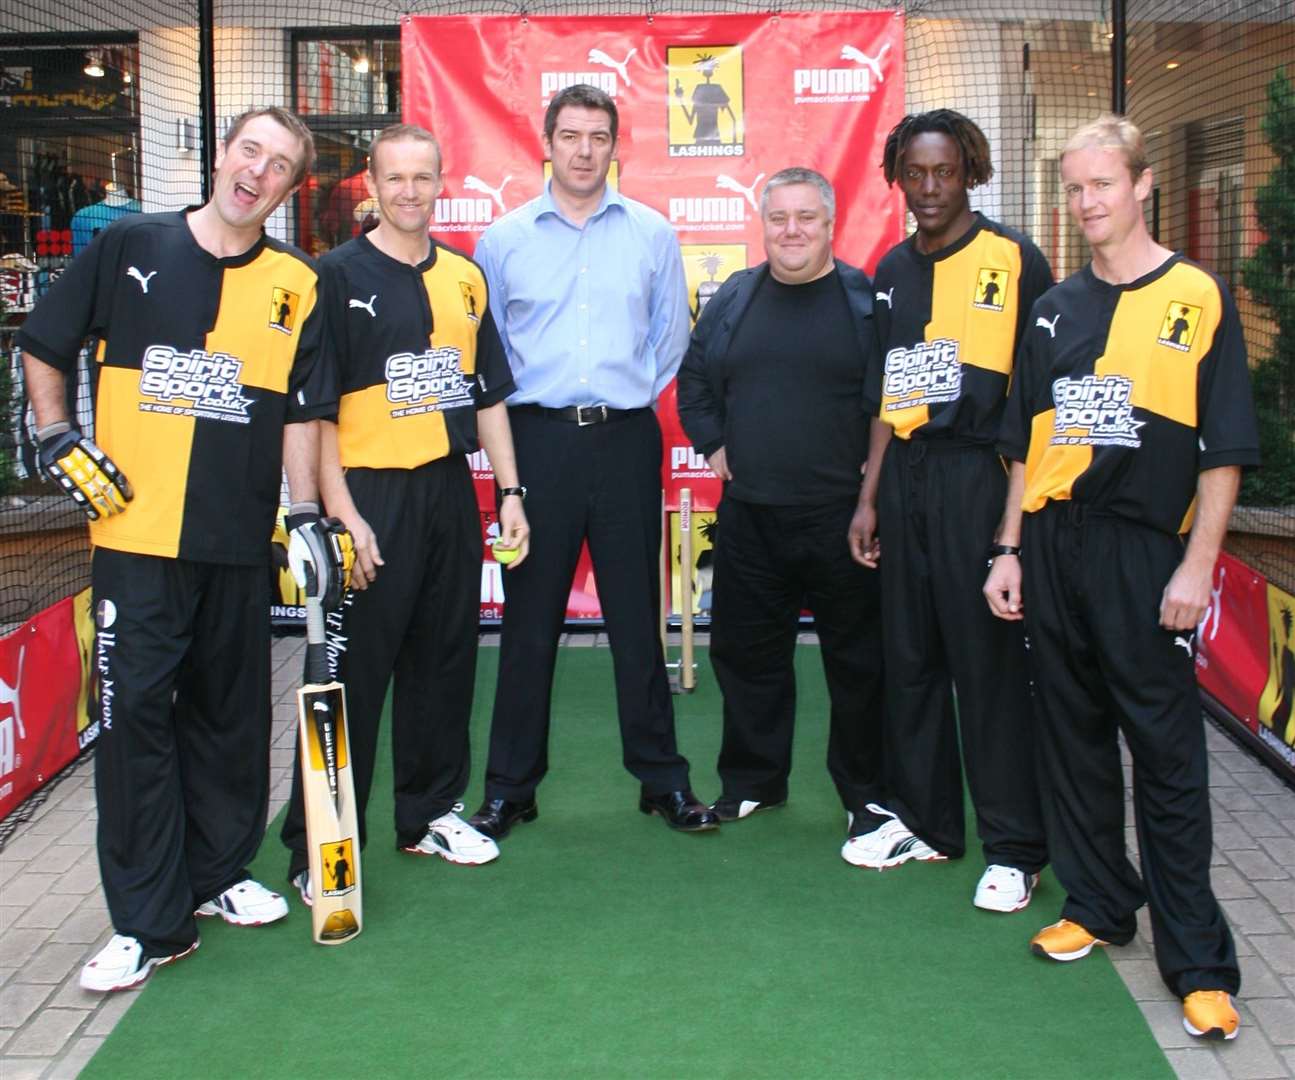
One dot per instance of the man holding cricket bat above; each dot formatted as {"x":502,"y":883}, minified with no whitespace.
{"x":780,"y":351}
{"x":423,"y":377}
{"x":213,"y":372}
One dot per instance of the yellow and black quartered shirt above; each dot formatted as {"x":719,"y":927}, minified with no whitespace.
{"x":948,"y":324}
{"x":1124,"y":393}
{"x":201,"y":362}
{"x":418,"y":354}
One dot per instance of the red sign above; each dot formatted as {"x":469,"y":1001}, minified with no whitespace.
{"x":44,"y":678}
{"x":709,"y":107}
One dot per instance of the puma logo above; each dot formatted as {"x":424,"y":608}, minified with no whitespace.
{"x":364,"y":306}
{"x":142,"y":278}
{"x":887,"y":297}
{"x":597,"y":56}
{"x":1049,"y":326}
{"x":872,"y":63}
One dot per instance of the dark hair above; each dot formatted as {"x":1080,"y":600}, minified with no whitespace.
{"x":399,"y":133}
{"x":973,"y":147}
{"x":287,"y":120}
{"x":584,"y":96}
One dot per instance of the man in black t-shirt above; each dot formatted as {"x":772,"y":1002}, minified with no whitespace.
{"x":771,"y":391}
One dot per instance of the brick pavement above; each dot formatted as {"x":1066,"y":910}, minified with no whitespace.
{"x":53,"y":918}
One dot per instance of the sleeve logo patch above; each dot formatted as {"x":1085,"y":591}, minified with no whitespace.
{"x":283,"y":310}
{"x":1178,"y":330}
{"x":991,"y":289}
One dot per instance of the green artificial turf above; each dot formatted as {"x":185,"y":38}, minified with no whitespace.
{"x":601,"y":944}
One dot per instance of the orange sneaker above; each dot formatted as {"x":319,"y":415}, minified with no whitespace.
{"x":1210,"y":1014}
{"x":1064,"y":940}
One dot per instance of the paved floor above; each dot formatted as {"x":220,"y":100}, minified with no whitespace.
{"x":52,"y":918}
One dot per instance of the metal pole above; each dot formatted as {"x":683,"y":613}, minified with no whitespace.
{"x":1119,"y":56}
{"x":207,"y":92}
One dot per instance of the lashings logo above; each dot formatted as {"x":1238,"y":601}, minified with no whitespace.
{"x":706,"y":267}
{"x":471,"y":304}
{"x":430,"y":381}
{"x":1178,"y":328}
{"x":1096,"y":410}
{"x":853,"y":81}
{"x":283,"y":310}
{"x":926,"y":374}
{"x":991,"y":289}
{"x":705,"y":101}
{"x":193,"y":383}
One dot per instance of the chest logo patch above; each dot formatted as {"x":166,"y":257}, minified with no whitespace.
{"x":363,"y":305}
{"x":1178,"y":329}
{"x":991,"y":289}
{"x":471,"y":305}
{"x":1095,"y":410}
{"x":283,"y":310}
{"x":929,"y":373}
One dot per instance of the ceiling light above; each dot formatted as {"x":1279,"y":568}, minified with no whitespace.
{"x":361,"y":65}
{"x":1172,"y":65}
{"x":94,"y":65}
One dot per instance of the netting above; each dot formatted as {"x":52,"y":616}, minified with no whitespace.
{"x":102,"y":112}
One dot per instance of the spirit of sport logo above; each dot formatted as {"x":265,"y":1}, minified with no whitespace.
{"x":925,"y":374}
{"x":1095,"y":410}
{"x":412,"y":379}
{"x":208,"y":381}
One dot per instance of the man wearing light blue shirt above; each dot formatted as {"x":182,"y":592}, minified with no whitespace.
{"x":588,"y":291}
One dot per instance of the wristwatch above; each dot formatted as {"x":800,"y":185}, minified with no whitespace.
{"x":996,"y":550}
{"x":519,"y":491}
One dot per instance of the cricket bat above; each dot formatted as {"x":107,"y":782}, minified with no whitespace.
{"x":682,"y":673}
{"x":332,"y":834}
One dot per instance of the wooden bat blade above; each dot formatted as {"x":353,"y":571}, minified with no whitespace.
{"x":332,"y":831}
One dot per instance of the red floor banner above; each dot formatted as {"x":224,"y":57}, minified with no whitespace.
{"x":709,"y":106}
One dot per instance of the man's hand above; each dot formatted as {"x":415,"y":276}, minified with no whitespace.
{"x":1003,"y":588}
{"x":865,"y":547}
{"x":718,"y":462}
{"x":321,"y":555}
{"x":83,"y":470}
{"x":514,"y":529}
{"x":367,"y":555}
{"x":1183,"y":603}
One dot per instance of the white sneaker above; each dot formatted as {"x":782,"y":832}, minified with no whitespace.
{"x":890,"y":844}
{"x":452,"y":838}
{"x":302,"y":880}
{"x":1004,"y":888}
{"x":248,"y":903}
{"x":120,"y":964}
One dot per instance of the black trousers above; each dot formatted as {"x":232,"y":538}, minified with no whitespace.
{"x":938,"y":506}
{"x":182,"y":765}
{"x":1102,"y":664}
{"x":415,"y":628}
{"x":769,"y":562}
{"x":600,"y":483}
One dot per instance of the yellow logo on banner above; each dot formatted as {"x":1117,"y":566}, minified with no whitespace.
{"x":283,"y":309}
{"x":707,"y":266}
{"x":338,"y":861}
{"x":1178,"y":330}
{"x":613,"y":174}
{"x":1277,"y":702}
{"x":705,"y":100}
{"x":991,"y":289}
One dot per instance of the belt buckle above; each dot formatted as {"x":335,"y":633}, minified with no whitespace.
{"x":599,"y":413}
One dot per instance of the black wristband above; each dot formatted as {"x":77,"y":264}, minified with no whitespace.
{"x":520,"y":492}
{"x":996,"y":550}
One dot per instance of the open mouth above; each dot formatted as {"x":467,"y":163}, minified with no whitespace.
{"x":245,"y":193}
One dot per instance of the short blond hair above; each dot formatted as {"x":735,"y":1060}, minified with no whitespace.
{"x":1112,"y":132}
{"x":401,"y":133}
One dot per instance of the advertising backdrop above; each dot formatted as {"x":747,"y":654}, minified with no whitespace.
{"x":709,"y":107}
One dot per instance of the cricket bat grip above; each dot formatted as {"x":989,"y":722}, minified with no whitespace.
{"x":316,"y":642}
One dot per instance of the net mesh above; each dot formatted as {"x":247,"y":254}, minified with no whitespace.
{"x":101,"y":113}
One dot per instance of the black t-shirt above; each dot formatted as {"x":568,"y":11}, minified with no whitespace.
{"x":795,"y":431}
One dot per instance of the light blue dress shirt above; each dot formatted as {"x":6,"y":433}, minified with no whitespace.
{"x":592,"y":315}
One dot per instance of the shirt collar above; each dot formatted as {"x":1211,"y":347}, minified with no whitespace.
{"x":611,"y":197}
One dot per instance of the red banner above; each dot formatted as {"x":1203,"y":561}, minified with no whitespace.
{"x":44,"y":684}
{"x":709,"y":106}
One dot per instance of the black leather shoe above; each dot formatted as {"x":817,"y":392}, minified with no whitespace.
{"x":731,"y":808}
{"x":682,"y":810}
{"x":497,"y":817}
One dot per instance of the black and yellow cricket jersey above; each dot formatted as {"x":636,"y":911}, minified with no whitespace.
{"x":1124,"y":393}
{"x":948,"y":324}
{"x":418,"y":354}
{"x":201,"y":362}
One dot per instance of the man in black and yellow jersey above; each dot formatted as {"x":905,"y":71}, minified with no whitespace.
{"x":423,"y":375}
{"x":212,"y":373}
{"x":951,"y":301}
{"x":1125,"y":430}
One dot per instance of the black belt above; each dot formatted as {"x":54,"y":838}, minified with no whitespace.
{"x":583,"y":415}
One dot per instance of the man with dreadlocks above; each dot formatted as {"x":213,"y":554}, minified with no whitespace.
{"x":951,"y":301}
